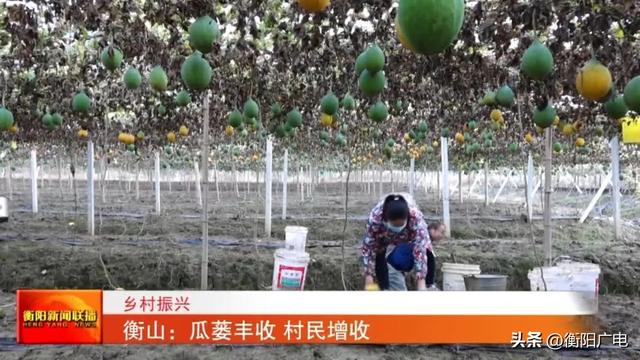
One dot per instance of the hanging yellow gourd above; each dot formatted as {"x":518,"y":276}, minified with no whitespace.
{"x":171,"y":136}
{"x":496,"y":115}
{"x":528,"y":138}
{"x":314,"y":5}
{"x":125,"y":138}
{"x":568,"y":129}
{"x":326,"y":120}
{"x":594,"y":81}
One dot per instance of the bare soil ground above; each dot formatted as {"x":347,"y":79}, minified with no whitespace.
{"x":142,"y":250}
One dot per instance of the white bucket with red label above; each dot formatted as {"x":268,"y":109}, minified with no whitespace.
{"x":289,"y":270}
{"x":568,"y":276}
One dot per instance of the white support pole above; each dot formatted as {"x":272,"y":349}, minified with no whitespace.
{"x":393,"y":184}
{"x":91,"y":199}
{"x":34,"y":182}
{"x":615,"y":182}
{"x":268,"y":188}
{"x":59,"y":165}
{"x":425,"y":182}
{"x":157,"y":181}
{"x":285,"y":179}
{"x":547,"y":196}
{"x":196,"y":168}
{"x":305,"y":182}
{"x":310,"y":182}
{"x":595,"y":199}
{"x":103,"y":176}
{"x":70,"y":179}
{"x":486,"y":183}
{"x":9,"y":176}
{"x":542,"y":191}
{"x":380,"y":181}
{"x":537,"y":187}
{"x":258,"y":181}
{"x":438,"y":190}
{"x":370,"y":183}
{"x":204,"y":262}
{"x":298,"y":181}
{"x":504,"y":183}
{"x":248,"y":184}
{"x":513,"y":182}
{"x":235,"y":180}
{"x":405,"y":176}
{"x":215,"y":174}
{"x":119,"y":178}
{"x":412,"y":176}
{"x":312,"y":176}
{"x":529,"y":188}
{"x":473,"y":185}
{"x":128,"y":177}
{"x":444,"y":155}
{"x":576,"y":183}
{"x":137,"y":181}
{"x":460,"y":187}
{"x":301,"y":180}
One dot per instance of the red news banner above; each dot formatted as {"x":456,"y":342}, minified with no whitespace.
{"x":279,"y":317}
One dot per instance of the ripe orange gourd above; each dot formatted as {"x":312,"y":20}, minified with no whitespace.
{"x":593,"y":81}
{"x":314,"y":5}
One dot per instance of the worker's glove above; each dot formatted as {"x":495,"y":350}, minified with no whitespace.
{"x":372,"y":287}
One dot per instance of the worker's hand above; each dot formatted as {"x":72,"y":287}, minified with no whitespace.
{"x":421,"y":285}
{"x":369,"y":284}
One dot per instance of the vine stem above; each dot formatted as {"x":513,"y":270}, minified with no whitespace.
{"x":346,"y":217}
{"x":533,"y":24}
{"x":4,"y":91}
{"x":106,"y":272}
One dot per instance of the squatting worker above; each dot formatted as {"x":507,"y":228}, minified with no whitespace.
{"x":437,"y":231}
{"x":395,"y":243}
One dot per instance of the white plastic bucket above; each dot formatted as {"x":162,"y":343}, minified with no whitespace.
{"x":295,"y":238}
{"x":289,"y":270}
{"x":4,"y":209}
{"x":453,"y":275}
{"x":568,"y":276}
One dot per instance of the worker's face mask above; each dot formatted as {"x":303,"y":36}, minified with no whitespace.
{"x":395,"y":229}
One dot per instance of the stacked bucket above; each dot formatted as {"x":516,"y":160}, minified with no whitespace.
{"x":290,"y":262}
